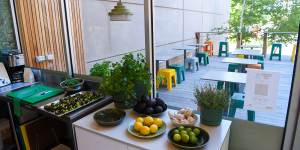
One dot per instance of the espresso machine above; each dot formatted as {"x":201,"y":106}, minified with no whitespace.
{"x":14,"y":64}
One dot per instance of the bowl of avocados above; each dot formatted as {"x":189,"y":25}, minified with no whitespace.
{"x":109,"y":116}
{"x":153,"y":107}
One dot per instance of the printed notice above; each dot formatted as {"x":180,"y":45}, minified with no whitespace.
{"x":261,"y":90}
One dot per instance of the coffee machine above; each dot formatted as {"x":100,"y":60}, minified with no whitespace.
{"x":14,"y":64}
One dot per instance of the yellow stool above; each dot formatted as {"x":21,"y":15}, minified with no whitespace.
{"x":169,"y":75}
{"x":240,"y":56}
{"x":293,"y":53}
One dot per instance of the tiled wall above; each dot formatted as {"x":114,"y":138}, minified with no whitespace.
{"x":7,"y":36}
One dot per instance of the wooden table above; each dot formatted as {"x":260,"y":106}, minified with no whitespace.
{"x":160,"y":58}
{"x":91,"y":136}
{"x":184,"y":49}
{"x":240,"y":61}
{"x":247,"y":52}
{"x":233,"y":77}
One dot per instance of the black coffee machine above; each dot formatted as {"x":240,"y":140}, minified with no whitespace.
{"x":14,"y":64}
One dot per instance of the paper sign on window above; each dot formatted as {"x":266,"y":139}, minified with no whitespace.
{"x":261,"y":91}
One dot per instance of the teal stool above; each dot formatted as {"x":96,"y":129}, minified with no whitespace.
{"x":180,"y":72}
{"x":221,"y":51}
{"x":237,"y":101}
{"x":204,"y":56}
{"x":233,"y":67}
{"x":274,"y":46}
{"x":260,"y":59}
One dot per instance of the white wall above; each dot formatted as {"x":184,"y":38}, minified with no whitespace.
{"x":175,"y":20}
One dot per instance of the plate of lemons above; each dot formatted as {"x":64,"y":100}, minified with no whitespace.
{"x":147,"y":127}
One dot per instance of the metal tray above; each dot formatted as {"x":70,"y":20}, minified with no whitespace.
{"x":57,"y":101}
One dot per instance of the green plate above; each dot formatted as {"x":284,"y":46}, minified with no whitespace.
{"x":160,"y":131}
{"x":203,"y":138}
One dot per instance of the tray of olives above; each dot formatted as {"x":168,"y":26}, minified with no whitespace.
{"x":71,"y":103}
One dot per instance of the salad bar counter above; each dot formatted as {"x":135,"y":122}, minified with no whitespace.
{"x":159,"y":132}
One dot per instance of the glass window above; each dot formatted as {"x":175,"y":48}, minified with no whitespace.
{"x":100,"y":39}
{"x":188,"y":32}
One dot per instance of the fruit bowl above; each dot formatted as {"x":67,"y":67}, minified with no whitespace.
{"x":132,"y":129}
{"x":150,"y":107}
{"x":109,"y":117}
{"x":183,"y":117}
{"x":192,"y":143}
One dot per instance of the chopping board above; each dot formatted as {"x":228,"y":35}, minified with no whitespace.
{"x":4,"y":78}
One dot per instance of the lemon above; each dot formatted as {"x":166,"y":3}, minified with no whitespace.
{"x":144,"y":130}
{"x":139,"y":119}
{"x":153,"y":128}
{"x":138,"y":126}
{"x":158,"y":122}
{"x":148,"y":121}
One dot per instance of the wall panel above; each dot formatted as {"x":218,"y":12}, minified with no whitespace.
{"x":41,"y":32}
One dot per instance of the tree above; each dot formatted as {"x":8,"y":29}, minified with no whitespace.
{"x":265,"y":16}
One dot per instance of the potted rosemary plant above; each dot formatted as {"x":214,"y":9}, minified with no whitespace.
{"x":211,"y":102}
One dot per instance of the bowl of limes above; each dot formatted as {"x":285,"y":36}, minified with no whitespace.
{"x":147,"y":127}
{"x":188,"y":137}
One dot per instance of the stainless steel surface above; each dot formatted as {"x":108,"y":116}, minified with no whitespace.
{"x":15,"y":60}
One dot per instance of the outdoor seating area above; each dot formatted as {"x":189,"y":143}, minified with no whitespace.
{"x":227,"y":70}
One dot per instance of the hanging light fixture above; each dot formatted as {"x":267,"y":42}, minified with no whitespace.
{"x":120,"y":13}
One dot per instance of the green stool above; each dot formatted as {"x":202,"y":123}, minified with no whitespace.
{"x":180,"y":72}
{"x":260,"y":59}
{"x":237,"y":101}
{"x":203,"y":55}
{"x":274,"y":46}
{"x":233,"y":67}
{"x":221,"y":51}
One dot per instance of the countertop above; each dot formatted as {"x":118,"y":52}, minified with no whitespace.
{"x":119,"y":133}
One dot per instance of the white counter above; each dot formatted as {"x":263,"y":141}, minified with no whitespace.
{"x":91,"y":136}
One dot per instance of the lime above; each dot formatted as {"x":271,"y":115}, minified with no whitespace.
{"x":191,"y":133}
{"x":196,"y":131}
{"x":175,"y":131}
{"x":185,"y":138}
{"x":181,"y":128}
{"x":183,"y":132}
{"x":176,"y":137}
{"x":193,"y":139}
{"x":188,"y":129}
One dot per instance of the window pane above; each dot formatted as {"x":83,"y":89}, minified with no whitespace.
{"x":102,"y":39}
{"x":178,"y":25}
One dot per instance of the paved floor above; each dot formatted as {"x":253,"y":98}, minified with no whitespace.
{"x":182,"y":94}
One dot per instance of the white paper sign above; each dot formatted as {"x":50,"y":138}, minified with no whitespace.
{"x":261,"y":91}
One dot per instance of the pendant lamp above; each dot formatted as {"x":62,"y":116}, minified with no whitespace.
{"x":120,"y":13}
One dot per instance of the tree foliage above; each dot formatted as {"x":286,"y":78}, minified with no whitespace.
{"x":266,"y":16}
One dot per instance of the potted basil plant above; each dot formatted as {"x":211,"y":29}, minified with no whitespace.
{"x":128,"y":81}
{"x":211,"y":102}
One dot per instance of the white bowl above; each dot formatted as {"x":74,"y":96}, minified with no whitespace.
{"x":185,"y":124}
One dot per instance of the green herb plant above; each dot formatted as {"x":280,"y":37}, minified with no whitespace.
{"x":71,"y":82}
{"x":210,"y":97}
{"x":101,"y":69}
{"x":128,"y":79}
